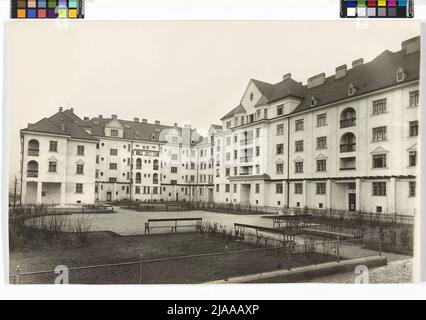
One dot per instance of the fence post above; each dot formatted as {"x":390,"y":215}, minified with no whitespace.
{"x":226,"y":263}
{"x":338,"y":249}
{"x":289,"y":255}
{"x":380,"y":245}
{"x":140,"y":268}
{"x":18,"y":275}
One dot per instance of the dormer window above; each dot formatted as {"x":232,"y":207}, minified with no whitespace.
{"x":313,"y":101}
{"x":136,"y":135}
{"x":153,"y":137}
{"x":351,"y":89}
{"x":114,"y":133}
{"x":400,"y":75}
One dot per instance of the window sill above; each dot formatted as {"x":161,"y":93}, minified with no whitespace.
{"x":378,"y":141}
{"x":378,"y":114}
{"x":380,"y":168}
{"x":324,"y":125}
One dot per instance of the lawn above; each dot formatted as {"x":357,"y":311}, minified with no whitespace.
{"x":107,"y":248}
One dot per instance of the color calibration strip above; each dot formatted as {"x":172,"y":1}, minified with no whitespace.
{"x":47,"y":9}
{"x":377,"y":9}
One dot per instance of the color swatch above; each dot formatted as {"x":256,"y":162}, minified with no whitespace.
{"x":47,"y":9}
{"x":377,"y":9}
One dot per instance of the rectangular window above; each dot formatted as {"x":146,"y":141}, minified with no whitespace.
{"x":52,"y":166}
{"x":379,"y":188}
{"x":321,"y":119}
{"x":217,"y":188}
{"x":235,"y":154}
{"x":113,"y":166}
{"x":174,"y":156}
{"x":299,"y":125}
{"x":228,"y":141}
{"x":173,"y":181}
{"x":53,"y":146}
{"x":80,"y":169}
{"x":414,"y":128}
{"x":228,"y":124}
{"x":80,"y":150}
{"x":79,"y":188}
{"x":298,"y":165}
{"x":236,"y":121}
{"x":322,"y":165}
{"x":235,"y":171}
{"x":280,"y":110}
{"x":379,"y":133}
{"x":321,"y":188}
{"x":112,"y":180}
{"x":257,"y":188}
{"x":235,"y":138}
{"x":114,"y":133}
{"x":280,"y":148}
{"x":299,"y":146}
{"x":279,"y":188}
{"x":235,"y":188}
{"x":379,"y":106}
{"x":227,"y":172}
{"x":257,"y":132}
{"x":138,"y":190}
{"x":412,"y":158}
{"x":113,"y":152}
{"x":379,"y":160}
{"x":414,"y":98}
{"x":257,"y":151}
{"x":412,"y":188}
{"x":298,"y":188}
{"x":228,"y":156}
{"x":279,"y":168}
{"x":227,"y":188}
{"x":322,"y":143}
{"x":173,"y":169}
{"x":280,"y":129}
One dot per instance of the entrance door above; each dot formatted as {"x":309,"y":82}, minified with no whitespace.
{"x":210,"y":199}
{"x":352,"y":201}
{"x":109,"y":196}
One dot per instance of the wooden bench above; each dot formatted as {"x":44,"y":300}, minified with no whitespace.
{"x":174,"y":225}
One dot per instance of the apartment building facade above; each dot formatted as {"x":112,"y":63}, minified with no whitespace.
{"x":347,"y":141}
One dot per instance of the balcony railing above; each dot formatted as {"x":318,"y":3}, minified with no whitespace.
{"x":246,"y":142}
{"x":155,"y":181}
{"x":33,"y":152}
{"x":346,"y":169}
{"x":349,"y":147}
{"x":32,"y":173}
{"x":351,"y":122}
{"x":155,"y":167}
{"x":246,"y":159}
{"x":138,"y":181}
{"x":138,"y":167}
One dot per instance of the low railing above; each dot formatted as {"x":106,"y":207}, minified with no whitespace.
{"x":348,"y":123}
{"x":32,"y":173}
{"x":33,"y":152}
{"x":349,"y":147}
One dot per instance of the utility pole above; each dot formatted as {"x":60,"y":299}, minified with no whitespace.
{"x":14,"y":194}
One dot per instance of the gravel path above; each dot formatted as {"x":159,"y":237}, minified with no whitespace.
{"x":395,"y":272}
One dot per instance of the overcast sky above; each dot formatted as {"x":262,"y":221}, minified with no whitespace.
{"x":172,"y":71}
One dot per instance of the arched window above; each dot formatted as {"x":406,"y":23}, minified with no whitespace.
{"x":33,"y":148}
{"x":348,"y":142}
{"x":138,"y":177}
{"x":348,"y":118}
{"x":155,"y":178}
{"x":32,"y":169}
{"x":138,"y":163}
{"x":155,"y":165}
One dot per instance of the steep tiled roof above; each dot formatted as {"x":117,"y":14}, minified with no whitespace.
{"x":377,"y":74}
{"x":238,"y":109}
{"x":55,"y":123}
{"x":137,"y":130}
{"x":280,"y":90}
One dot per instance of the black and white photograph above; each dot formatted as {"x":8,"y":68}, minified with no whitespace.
{"x":212,"y":152}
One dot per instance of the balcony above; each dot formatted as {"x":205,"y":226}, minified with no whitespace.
{"x":347,"y":169}
{"x":246,"y":159}
{"x":347,"y":164}
{"x":155,"y":167}
{"x":155,"y":181}
{"x":349,"y":147}
{"x":346,"y":123}
{"x":246,"y":142}
{"x":32,"y":173}
{"x":33,"y":152}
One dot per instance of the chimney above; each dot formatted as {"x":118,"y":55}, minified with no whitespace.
{"x":72,"y":110}
{"x":175,"y":124}
{"x":357,"y":62}
{"x":114,"y":116}
{"x":136,"y":119}
{"x":144,"y":121}
{"x":316,"y":80}
{"x":286,"y":76}
{"x":100,"y":116}
{"x":86,"y":118}
{"x":61,"y":109}
{"x":157,"y":122}
{"x":411,"y":45}
{"x":29,"y":125}
{"x":341,"y":71}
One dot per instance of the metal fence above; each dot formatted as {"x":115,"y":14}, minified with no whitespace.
{"x":199,"y":268}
